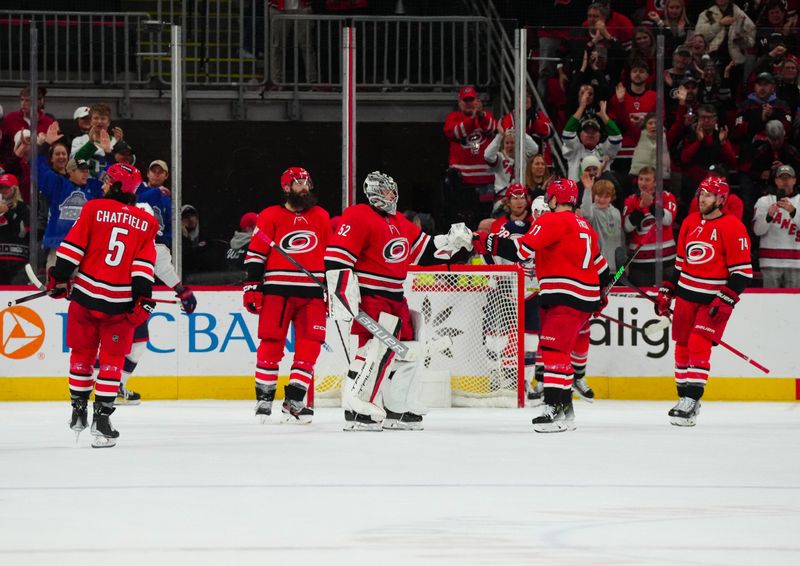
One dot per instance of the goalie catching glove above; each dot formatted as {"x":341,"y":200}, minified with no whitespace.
{"x":343,"y":294}
{"x":457,"y":238}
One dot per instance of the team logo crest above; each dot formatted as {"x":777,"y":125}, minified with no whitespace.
{"x":299,"y":241}
{"x":699,"y":253}
{"x":396,"y":250}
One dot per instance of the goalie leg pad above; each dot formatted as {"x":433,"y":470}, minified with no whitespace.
{"x":363,"y":383}
{"x":401,"y":391}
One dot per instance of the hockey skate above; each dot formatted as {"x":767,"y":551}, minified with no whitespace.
{"x":551,"y":420}
{"x":79,"y":420}
{"x":296,"y":412}
{"x":685,"y":412}
{"x":402,"y":421}
{"x":126,"y":396}
{"x":264,"y":400}
{"x":536,"y":395}
{"x":569,"y":415}
{"x":105,"y":435}
{"x":582,"y":390}
{"x":356,"y":421}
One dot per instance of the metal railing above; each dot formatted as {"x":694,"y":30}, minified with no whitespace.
{"x":393,"y":52}
{"x":75,"y":48}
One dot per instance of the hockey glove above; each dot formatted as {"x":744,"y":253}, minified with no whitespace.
{"x":601,"y":304}
{"x":253,"y":297}
{"x":141,"y":312}
{"x":485,"y":243}
{"x":664,"y":299}
{"x":722,"y":305}
{"x":186,"y":297}
{"x":58,"y":289}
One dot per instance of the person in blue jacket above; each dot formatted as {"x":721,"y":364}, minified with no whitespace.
{"x":65,"y":199}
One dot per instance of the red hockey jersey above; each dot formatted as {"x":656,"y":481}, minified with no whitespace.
{"x":303,"y":235}
{"x":710,"y":253}
{"x":568,"y":260}
{"x":378,"y":248}
{"x":113,"y":245}
{"x":468,"y":140}
{"x":639,"y":231}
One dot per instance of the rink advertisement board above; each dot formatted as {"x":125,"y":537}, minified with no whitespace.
{"x":211,"y":353}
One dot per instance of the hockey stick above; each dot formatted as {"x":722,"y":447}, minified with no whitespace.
{"x":32,"y":297}
{"x":725,"y":345}
{"x":621,"y":259}
{"x":32,"y":277}
{"x":361,"y":317}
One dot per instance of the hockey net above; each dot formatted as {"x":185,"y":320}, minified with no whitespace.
{"x":480,"y":308}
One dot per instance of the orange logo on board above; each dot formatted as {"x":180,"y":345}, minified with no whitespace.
{"x":21,"y":331}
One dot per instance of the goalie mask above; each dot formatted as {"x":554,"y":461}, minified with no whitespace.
{"x":381,"y":191}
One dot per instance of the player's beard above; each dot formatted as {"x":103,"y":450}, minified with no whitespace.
{"x":301,"y":202}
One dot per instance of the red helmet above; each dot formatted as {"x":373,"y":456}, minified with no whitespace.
{"x":565,"y":191}
{"x":516,"y":189}
{"x":127,"y":175}
{"x":717,"y":186}
{"x":293,"y":174}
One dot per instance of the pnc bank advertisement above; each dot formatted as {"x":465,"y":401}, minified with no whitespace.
{"x":220,"y":339}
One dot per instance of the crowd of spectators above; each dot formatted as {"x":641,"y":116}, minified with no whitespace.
{"x":731,"y":108}
{"x":70,"y":165}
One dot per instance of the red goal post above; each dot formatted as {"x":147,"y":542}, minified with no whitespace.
{"x":481,"y":308}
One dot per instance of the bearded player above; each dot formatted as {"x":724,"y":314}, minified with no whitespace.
{"x":711,"y":271}
{"x":280,"y":293}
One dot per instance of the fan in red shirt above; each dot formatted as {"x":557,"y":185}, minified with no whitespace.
{"x":280,"y":293}
{"x":112,"y":245}
{"x":571,"y":271}
{"x":711,"y":270}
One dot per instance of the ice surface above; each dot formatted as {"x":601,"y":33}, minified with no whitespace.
{"x":204,"y":483}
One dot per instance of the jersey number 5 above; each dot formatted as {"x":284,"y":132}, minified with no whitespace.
{"x":587,"y":258}
{"x":116,"y":248}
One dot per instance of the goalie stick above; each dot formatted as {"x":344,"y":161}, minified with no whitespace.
{"x":725,"y":345}
{"x":361,"y":317}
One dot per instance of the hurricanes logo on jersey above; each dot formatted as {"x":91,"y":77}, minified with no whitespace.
{"x":698,"y":253}
{"x":395,"y":250}
{"x":299,"y":241}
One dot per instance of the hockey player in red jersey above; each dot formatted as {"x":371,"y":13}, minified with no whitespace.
{"x":570,"y":270}
{"x":280,"y":293}
{"x":711,"y":271}
{"x":112,"y":246}
{"x":366,"y":264}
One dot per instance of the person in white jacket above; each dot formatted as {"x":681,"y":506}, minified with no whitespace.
{"x":777,"y":223}
{"x":724,"y":22}
{"x":499,"y":155}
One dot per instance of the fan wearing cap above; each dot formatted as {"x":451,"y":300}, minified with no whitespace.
{"x":760,"y":106}
{"x":711,"y":271}
{"x":112,"y":246}
{"x":155,"y":194}
{"x":571,"y":271}
{"x":777,"y":223}
{"x":582,"y":136}
{"x":280,"y":293}
{"x":83,"y":119}
{"x":14,"y":226}
{"x":65,"y":197}
{"x":469,"y":130}
{"x":234,"y":257}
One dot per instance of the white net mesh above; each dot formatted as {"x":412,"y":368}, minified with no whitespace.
{"x":479,"y":308}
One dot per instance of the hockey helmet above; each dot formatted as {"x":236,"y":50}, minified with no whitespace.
{"x":517,"y":190}
{"x":381,"y":191}
{"x":717,"y":186}
{"x":293,"y":174}
{"x":565,"y":191}
{"x":126,"y":175}
{"x":539,"y":206}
